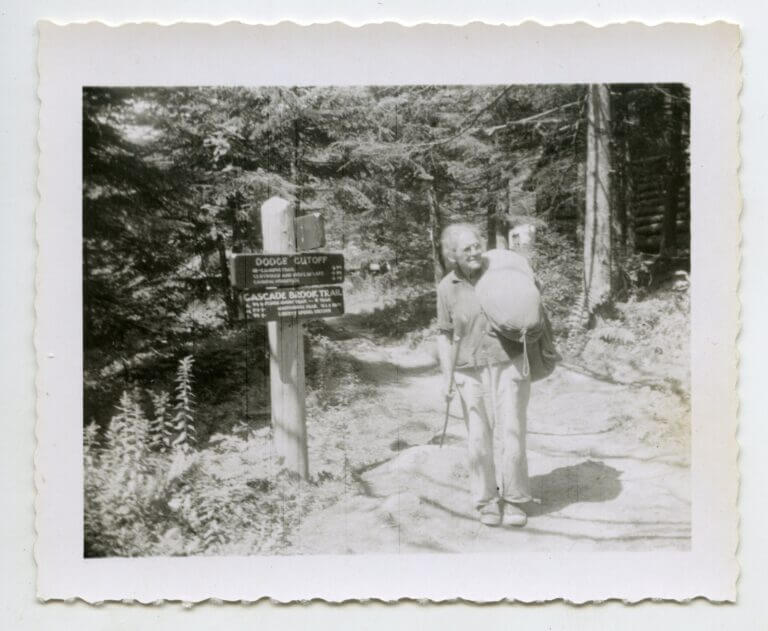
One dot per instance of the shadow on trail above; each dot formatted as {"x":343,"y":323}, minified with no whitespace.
{"x":334,"y":329}
{"x":370,"y":358}
{"x":383,"y":324}
{"x":404,"y":315}
{"x":385,"y":372}
{"x":588,"y":481}
{"x":450,"y":439}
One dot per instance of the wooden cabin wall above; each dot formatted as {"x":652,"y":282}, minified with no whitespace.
{"x":647,"y":203}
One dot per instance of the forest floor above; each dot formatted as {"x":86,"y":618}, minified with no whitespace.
{"x":609,"y":461}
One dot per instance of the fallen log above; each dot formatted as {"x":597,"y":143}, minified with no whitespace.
{"x":648,"y":219}
{"x":653,"y":243}
{"x":655,"y":228}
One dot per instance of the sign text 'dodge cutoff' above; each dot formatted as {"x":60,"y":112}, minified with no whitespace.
{"x":282,"y":270}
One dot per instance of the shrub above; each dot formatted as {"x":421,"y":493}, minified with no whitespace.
{"x":150,"y":491}
{"x":120,"y":483}
{"x":230,"y":380}
{"x":644,"y":339}
{"x":635,"y":269}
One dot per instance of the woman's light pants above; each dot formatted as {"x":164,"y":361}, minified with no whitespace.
{"x":496,"y":394}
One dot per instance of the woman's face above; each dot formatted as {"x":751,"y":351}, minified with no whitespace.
{"x":468,"y":253}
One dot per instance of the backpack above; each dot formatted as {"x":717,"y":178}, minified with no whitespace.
{"x":511,"y":300}
{"x":542,"y":354}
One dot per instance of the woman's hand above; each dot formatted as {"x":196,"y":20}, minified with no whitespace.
{"x":449,"y":388}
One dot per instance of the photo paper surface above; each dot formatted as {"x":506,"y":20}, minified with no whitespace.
{"x":428,"y":312}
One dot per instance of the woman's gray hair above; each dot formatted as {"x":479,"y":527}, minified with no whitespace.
{"x":450,"y":237}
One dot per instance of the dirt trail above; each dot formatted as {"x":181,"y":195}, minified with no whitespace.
{"x":609,"y":465}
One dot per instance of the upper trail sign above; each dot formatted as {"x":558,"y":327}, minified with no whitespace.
{"x":250,"y":271}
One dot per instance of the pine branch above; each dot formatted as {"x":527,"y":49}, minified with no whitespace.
{"x":489,"y":131}
{"x":466,"y":128}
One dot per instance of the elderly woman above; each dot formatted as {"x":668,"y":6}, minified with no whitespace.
{"x":490,"y":380}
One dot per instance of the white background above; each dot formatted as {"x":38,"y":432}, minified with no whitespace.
{"x":19,"y":610}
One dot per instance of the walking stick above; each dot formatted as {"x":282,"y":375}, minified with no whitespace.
{"x":454,"y":358}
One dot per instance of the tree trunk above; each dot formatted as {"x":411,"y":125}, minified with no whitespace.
{"x":674,"y":172}
{"x":581,"y":174}
{"x":503,"y":210}
{"x":599,"y":267}
{"x":226,"y":289}
{"x":435,"y":228}
{"x":491,"y":223}
{"x":501,"y":236}
{"x":234,"y":203}
{"x":623,"y":222}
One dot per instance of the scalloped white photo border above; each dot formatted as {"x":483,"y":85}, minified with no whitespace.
{"x":706,"y":58}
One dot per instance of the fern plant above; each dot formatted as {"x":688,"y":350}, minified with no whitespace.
{"x":160,"y":427}
{"x":138,"y":439}
{"x":117,"y":436}
{"x":183,"y":419}
{"x":90,"y":446}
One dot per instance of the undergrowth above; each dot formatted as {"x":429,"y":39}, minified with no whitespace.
{"x":646,"y":339}
{"x":150,"y":491}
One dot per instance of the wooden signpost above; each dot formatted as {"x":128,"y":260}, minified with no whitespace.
{"x":283,"y":287}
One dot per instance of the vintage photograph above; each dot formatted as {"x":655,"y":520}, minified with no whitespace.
{"x":386,"y":319}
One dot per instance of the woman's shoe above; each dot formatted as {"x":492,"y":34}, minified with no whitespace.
{"x":514,"y":516}
{"x":490,"y":515}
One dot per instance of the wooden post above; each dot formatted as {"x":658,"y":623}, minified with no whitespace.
{"x":286,"y":352}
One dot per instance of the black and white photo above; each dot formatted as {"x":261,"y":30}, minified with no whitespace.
{"x":439,"y":330}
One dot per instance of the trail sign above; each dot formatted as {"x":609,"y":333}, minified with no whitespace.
{"x":306,"y":303}
{"x":249,"y":271}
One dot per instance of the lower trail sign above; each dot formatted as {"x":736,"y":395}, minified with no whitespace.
{"x":304,"y":303}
